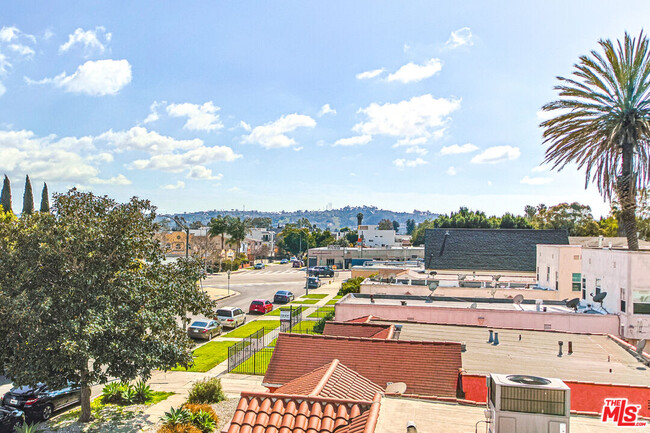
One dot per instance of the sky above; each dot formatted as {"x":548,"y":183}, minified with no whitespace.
{"x":292,"y":105}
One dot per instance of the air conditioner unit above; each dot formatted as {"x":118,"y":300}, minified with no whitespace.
{"x":527,"y":404}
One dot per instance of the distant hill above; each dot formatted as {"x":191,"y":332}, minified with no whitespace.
{"x":332,"y":219}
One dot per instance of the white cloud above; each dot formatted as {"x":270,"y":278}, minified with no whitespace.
{"x":353,"y":141}
{"x":541,"y":169}
{"x":91,"y":40}
{"x":272,"y":135}
{"x":7,"y":34}
{"x":456,"y":149}
{"x":178,"y":162}
{"x":47,"y":34}
{"x":412,"y":72}
{"x":460,"y":37}
{"x":138,"y":138}
{"x":234,"y":189}
{"x":245,"y":126}
{"x":420,"y":116}
{"x":326,"y":109}
{"x":402,"y":163}
{"x":153,"y":112}
{"x":496,"y":154}
{"x":178,"y":185}
{"x":96,"y":78}
{"x":3,"y":89}
{"x":370,"y":74}
{"x":411,"y":141}
{"x":417,"y":149}
{"x":201,"y":172}
{"x":23,"y":50}
{"x":536,"y":180}
{"x":120,"y":179}
{"x":100,"y":157}
{"x":298,"y":148}
{"x":451,"y":171}
{"x":199,"y":117}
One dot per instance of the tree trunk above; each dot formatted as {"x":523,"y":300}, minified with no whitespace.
{"x":626,"y":191}
{"x":86,"y":414}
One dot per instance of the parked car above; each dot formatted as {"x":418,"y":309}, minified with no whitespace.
{"x":313,"y":283}
{"x":231,"y":317}
{"x":297,"y":264}
{"x":262,"y":306}
{"x":260,"y":265}
{"x":283,"y":297}
{"x":321,"y":271}
{"x":10,"y":418}
{"x":39,"y":402}
{"x":204,"y":329}
{"x":284,"y":261}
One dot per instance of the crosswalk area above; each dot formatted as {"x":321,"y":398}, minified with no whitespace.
{"x":277,"y":271}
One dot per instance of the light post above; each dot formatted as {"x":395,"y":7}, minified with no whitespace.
{"x":228,"y":282}
{"x":187,"y":234}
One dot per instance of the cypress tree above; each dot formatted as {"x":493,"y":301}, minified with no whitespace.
{"x":28,"y":198}
{"x":5,"y":199}
{"x":45,"y":199}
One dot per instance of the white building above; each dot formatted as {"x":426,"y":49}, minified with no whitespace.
{"x":257,"y":237}
{"x":373,"y":237}
{"x":625,"y":276}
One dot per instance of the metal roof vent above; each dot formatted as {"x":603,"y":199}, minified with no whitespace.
{"x":528,"y":380}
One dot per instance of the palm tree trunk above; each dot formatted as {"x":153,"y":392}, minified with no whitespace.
{"x":626,"y":191}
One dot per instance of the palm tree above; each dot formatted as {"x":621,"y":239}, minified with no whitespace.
{"x":603,"y":123}
{"x":219,"y":227}
{"x":359,"y":219}
{"x":237,"y":230}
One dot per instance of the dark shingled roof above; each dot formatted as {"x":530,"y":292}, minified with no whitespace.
{"x":487,"y":249}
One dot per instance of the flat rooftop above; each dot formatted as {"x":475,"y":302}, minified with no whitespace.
{"x":454,"y":418}
{"x":536,"y":353}
{"x":505,"y":305}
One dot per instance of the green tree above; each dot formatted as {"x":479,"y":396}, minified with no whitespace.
{"x":576,"y":218}
{"x":352,"y":237}
{"x":196,"y":225}
{"x":237,"y":230}
{"x":395,"y":226}
{"x":219,"y":227}
{"x":603,"y":123}
{"x":359,"y":218}
{"x":5,"y":198}
{"x":295,"y":241}
{"x":107,"y":305}
{"x":323,"y":238}
{"x":385,"y":224}
{"x":259,"y":222}
{"x":28,"y":198}
{"x":410,"y":226}
{"x":45,"y":199}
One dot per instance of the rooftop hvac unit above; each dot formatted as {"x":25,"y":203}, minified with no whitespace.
{"x":528,"y":404}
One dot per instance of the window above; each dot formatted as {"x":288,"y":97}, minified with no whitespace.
{"x":641,"y":302}
{"x":597,"y":285}
{"x":623,"y":303}
{"x":575,"y":282}
{"x":576,"y":257}
{"x":538,"y":273}
{"x":330,"y":262}
{"x":548,"y":273}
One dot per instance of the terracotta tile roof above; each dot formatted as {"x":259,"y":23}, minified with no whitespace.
{"x":427,"y":368}
{"x":280,"y":413}
{"x":333,"y":380}
{"x":362,"y":319}
{"x":356,"y":329}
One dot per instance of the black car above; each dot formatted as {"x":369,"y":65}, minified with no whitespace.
{"x":9,"y":418}
{"x":283,"y":297}
{"x":321,"y":271}
{"x":313,"y":283}
{"x":40,"y":402}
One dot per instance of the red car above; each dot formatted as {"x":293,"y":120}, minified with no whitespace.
{"x":262,"y":306}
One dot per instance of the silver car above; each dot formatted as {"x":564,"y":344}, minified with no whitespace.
{"x":231,"y":317}
{"x":204,"y":329}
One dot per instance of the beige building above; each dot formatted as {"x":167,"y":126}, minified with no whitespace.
{"x":559,"y":268}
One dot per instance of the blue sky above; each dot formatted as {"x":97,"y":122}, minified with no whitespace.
{"x":294,"y":105}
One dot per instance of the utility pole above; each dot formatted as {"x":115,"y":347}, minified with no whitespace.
{"x":186,"y":228}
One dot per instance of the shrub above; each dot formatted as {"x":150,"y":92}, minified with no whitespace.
{"x":194,"y":408}
{"x":179,"y":428}
{"x":204,"y":421}
{"x":320,"y":326}
{"x":142,"y":391}
{"x":206,"y":391}
{"x":111,"y":393}
{"x":128,"y":395}
{"x":353,"y":285}
{"x":176,"y":417}
{"x":124,"y":393}
{"x":29,"y":428}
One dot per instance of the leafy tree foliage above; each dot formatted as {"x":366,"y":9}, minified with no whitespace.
{"x":5,"y":198}
{"x":219,"y":227}
{"x":196,"y":225}
{"x":259,"y":222}
{"x":410,"y":226}
{"x":28,"y":197}
{"x":574,"y":217}
{"x":385,"y":224}
{"x":237,"y":230}
{"x":295,"y":241}
{"x":352,"y":237}
{"x":93,"y":298}
{"x":395,"y":225}
{"x":45,"y":199}
{"x":359,"y":218}
{"x":602,"y":123}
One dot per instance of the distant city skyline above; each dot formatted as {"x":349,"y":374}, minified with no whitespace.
{"x":294,"y":105}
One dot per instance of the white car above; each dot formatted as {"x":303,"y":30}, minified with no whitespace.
{"x":231,"y":317}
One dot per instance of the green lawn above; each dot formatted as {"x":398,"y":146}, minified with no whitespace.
{"x":321,"y":312}
{"x":303,"y":327}
{"x":332,"y":302}
{"x":276,"y":312}
{"x":103,"y":412}
{"x":256,"y":364}
{"x":305,"y":301}
{"x":314,"y":296}
{"x":208,"y":356}
{"x":250,"y":327}
{"x":337,"y":297}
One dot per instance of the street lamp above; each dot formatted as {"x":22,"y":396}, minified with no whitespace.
{"x":187,"y":233}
